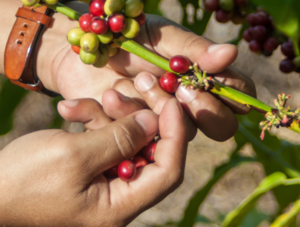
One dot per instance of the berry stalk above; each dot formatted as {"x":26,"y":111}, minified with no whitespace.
{"x":275,"y":116}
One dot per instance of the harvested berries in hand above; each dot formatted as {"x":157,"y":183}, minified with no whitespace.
{"x":139,"y":161}
{"x":112,"y":172}
{"x":126,"y":170}
{"x":149,"y":151}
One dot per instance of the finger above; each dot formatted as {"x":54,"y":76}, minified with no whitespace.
{"x":86,"y":111}
{"x":154,"y":181}
{"x":118,"y":141}
{"x":173,"y":40}
{"x":126,"y":87}
{"x":155,"y":97}
{"x":212,"y":117}
{"x":117,"y":105}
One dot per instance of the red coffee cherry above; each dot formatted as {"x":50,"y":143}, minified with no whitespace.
{"x":169,"y":82}
{"x":97,"y":7}
{"x":116,"y":22}
{"x":126,"y":170}
{"x":84,"y":21}
{"x":149,"y":151}
{"x":139,"y":161}
{"x":76,"y":49}
{"x":98,"y":26}
{"x":141,"y":19}
{"x":179,"y":64}
{"x":112,"y":172}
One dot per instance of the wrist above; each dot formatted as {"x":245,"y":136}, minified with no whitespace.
{"x":53,"y":48}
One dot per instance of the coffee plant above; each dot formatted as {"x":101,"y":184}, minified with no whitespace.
{"x":265,"y":24}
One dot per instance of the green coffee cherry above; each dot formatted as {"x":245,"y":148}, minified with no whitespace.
{"x":106,"y":38}
{"x":113,"y":6}
{"x":51,"y":2}
{"x":112,"y":51}
{"x":89,"y":42}
{"x":227,"y":5}
{"x":89,"y":58}
{"x":30,"y":2}
{"x":132,"y":28}
{"x":103,"y":57}
{"x":133,"y":8}
{"x":74,"y":36}
{"x":296,"y":61}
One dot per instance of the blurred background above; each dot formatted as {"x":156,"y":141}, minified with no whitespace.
{"x":29,"y":111}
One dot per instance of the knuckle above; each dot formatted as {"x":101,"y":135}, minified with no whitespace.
{"x":123,"y":138}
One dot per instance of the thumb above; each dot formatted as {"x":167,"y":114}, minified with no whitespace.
{"x":211,"y":57}
{"x":117,"y":141}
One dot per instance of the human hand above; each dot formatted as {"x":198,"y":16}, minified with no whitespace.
{"x":62,"y":71}
{"x":214,"y":117}
{"x":54,"y":178}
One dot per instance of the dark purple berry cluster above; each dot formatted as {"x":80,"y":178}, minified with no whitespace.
{"x":291,"y":63}
{"x":227,"y":10}
{"x":259,"y":34}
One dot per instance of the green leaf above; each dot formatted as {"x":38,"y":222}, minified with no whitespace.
{"x":288,"y":218}
{"x":253,"y":218}
{"x":198,"y":26}
{"x":202,"y":219}
{"x":236,"y":216}
{"x":10,"y":97}
{"x":57,"y":119}
{"x":285,"y":16}
{"x":191,"y":210}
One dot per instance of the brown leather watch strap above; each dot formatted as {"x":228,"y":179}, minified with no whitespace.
{"x":22,"y":46}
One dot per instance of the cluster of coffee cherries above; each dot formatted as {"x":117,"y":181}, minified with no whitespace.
{"x":281,"y":117}
{"x":227,"y":10}
{"x":108,"y":19}
{"x":169,"y":82}
{"x":189,"y":76}
{"x":291,"y":63}
{"x":34,"y":2}
{"x":126,"y":170}
{"x":260,"y":34}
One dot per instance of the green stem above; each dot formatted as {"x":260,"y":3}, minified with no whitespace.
{"x":135,"y":48}
{"x":61,"y":8}
{"x":239,"y":97}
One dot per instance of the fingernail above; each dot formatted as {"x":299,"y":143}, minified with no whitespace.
{"x":69,"y":103}
{"x":122,"y":97}
{"x":144,"y":82}
{"x":186,"y":94}
{"x":145,"y":121}
{"x":214,"y":48}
